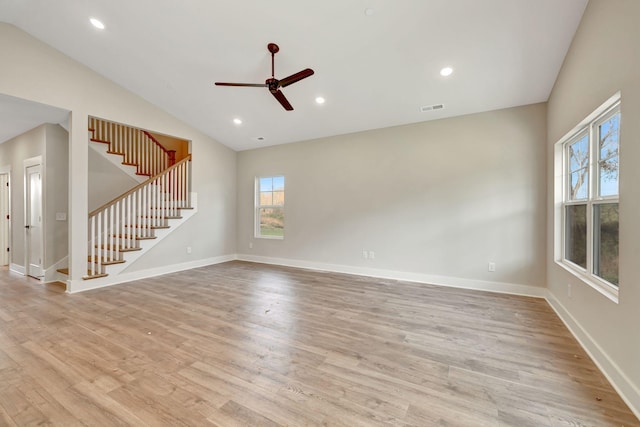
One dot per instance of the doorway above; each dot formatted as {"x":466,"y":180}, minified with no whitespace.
{"x":5,"y":218}
{"x":34,"y":248}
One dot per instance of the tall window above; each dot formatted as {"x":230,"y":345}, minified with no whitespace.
{"x":269,"y":220}
{"x":590,"y":218}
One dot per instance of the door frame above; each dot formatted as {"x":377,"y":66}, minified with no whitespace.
{"x":7,"y":170}
{"x":33,"y":161}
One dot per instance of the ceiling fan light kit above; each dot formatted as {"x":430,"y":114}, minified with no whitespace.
{"x":274,"y":84}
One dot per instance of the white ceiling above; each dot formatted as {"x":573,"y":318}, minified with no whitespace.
{"x":18,"y":116}
{"x":374,"y":70}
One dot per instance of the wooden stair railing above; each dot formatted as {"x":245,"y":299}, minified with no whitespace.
{"x":120,"y":224}
{"x":138,"y":147}
{"x":171,"y":154}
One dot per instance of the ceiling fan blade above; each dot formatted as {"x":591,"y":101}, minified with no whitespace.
{"x":282,"y":100}
{"x":295,"y":77}
{"x":242,"y":84}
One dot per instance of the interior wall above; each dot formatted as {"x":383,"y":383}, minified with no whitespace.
{"x":180,"y":146}
{"x":34,"y":71}
{"x":441,"y":198}
{"x":5,"y":231}
{"x":56,"y":194}
{"x":604,"y":58}
{"x":106,"y":181}
{"x":14,"y":152}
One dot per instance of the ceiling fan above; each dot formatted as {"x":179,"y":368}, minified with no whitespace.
{"x":274,"y":84}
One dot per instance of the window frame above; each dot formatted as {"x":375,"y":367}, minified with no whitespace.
{"x":591,"y":127}
{"x":258,"y":206}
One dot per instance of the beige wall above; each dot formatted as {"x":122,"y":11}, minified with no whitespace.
{"x":37,"y":72}
{"x":14,"y":152}
{"x":180,"y":146}
{"x":603,"y":59}
{"x":106,"y":180}
{"x":50,"y":142}
{"x":440,"y":198}
{"x":56,"y":194}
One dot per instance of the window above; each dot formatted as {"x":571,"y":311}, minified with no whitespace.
{"x":269,"y":220}
{"x":589,"y":206}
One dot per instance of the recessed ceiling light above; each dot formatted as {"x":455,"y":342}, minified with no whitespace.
{"x":319,"y":100}
{"x":237,"y":121}
{"x":97,"y":23}
{"x":368,"y":11}
{"x":446,"y":71}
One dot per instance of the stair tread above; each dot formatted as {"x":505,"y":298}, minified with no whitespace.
{"x":95,"y":276}
{"x":120,"y":249}
{"x":87,"y":277}
{"x":152,"y":227}
{"x":106,"y":262}
{"x":120,"y":236}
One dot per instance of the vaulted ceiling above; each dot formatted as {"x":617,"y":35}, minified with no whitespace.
{"x":376,"y":62}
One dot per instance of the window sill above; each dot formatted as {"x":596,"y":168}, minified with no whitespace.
{"x":607,"y":290}
{"x":270,"y":237}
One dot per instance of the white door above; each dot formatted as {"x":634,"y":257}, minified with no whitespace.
{"x":4,"y":219}
{"x":33,"y":224}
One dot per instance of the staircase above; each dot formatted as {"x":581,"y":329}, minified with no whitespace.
{"x":137,"y":147}
{"x":127,"y":226}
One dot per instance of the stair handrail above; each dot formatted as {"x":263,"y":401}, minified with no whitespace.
{"x":171,"y":154}
{"x":139,"y":186}
{"x":139,"y":147}
{"x":116,"y":226}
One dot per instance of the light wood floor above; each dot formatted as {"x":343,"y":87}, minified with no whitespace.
{"x":246,"y":344}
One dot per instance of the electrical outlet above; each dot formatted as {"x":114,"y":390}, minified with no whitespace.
{"x":569,"y":290}
{"x":188,"y":249}
{"x":492,"y":267}
{"x":365,"y":254}
{"x":250,"y":245}
{"x":372,"y":255}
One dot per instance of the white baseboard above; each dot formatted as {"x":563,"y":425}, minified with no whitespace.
{"x":51,"y":274}
{"x":17,"y":268}
{"x":74,"y":286}
{"x":627,"y":390}
{"x":454,"y":282}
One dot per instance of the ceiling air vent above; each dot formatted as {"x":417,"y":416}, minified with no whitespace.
{"x":426,"y":108}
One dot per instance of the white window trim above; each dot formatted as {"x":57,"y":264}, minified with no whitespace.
{"x":590,"y":123}
{"x":257,"y":206}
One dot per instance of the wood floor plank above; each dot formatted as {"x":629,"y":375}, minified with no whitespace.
{"x":240,"y":344}
{"x":18,"y":407}
{"x":5,"y":418}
